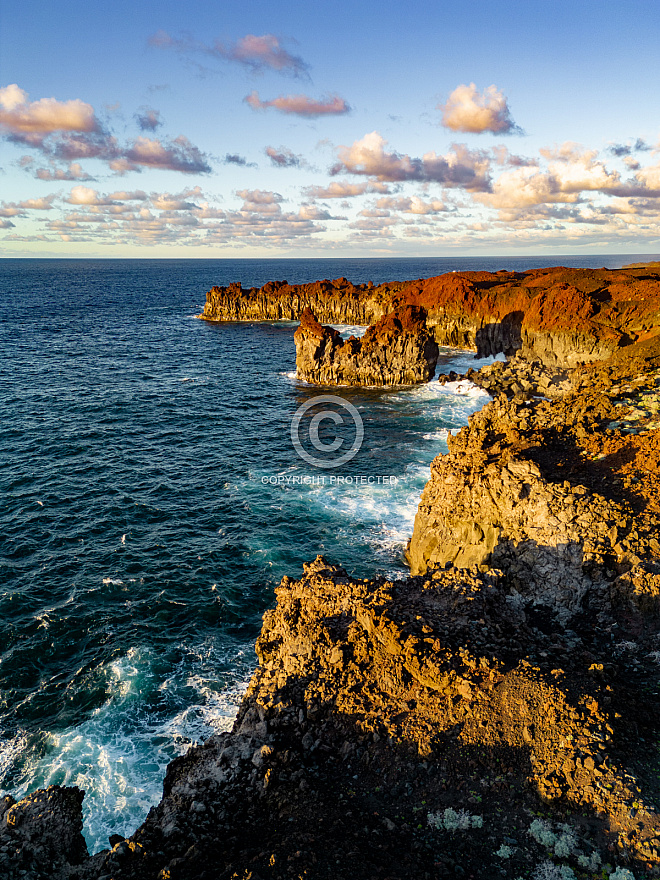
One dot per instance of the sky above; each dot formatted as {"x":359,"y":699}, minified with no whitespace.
{"x":158,"y":129}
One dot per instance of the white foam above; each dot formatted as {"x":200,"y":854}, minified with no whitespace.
{"x":119,"y":755}
{"x":348,"y":330}
{"x":10,"y":752}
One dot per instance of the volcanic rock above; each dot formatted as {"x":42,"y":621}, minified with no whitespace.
{"x":397,"y":350}
{"x":560,"y":316}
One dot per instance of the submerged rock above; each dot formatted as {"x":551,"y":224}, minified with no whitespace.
{"x":396,"y":350}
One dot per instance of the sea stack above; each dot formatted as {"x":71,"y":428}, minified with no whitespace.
{"x":398,"y":349}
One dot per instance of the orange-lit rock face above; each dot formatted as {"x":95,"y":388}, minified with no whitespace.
{"x":560,"y":315}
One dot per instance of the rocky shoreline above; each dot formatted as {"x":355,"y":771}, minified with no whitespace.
{"x":495,"y":714}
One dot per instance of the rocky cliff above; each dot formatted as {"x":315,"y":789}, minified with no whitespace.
{"x":414,"y":728}
{"x":497,"y":713}
{"x":524,"y":488}
{"x":397,"y":350}
{"x":333,"y":302}
{"x":560,"y":316}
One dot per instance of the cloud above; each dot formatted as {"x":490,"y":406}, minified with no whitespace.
{"x":313,"y":212}
{"x":300,"y":105}
{"x":639,"y":146}
{"x":342,"y":189}
{"x":19,"y":209}
{"x":69,"y":131}
{"x":30,"y":121}
{"x":74,"y":171}
{"x":502,"y":156}
{"x":85,"y":195}
{"x":258,"y":53}
{"x":175,"y":155}
{"x":460,"y":168}
{"x":468,"y":110}
{"x":260,"y":201}
{"x":412,"y":205}
{"x":235,"y":159}
{"x":284,"y":158}
{"x":148,"y":119}
{"x":572,"y":170}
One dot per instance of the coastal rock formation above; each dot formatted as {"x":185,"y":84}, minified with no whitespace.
{"x":334,"y":302}
{"x":497,"y":712}
{"x":397,"y":350}
{"x":523,"y":490}
{"x":41,"y":835}
{"x":378,"y":705}
{"x":560,"y":316}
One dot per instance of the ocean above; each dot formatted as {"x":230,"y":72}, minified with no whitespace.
{"x":152,"y":498}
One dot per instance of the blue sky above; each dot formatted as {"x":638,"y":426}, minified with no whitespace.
{"x":336,"y":129}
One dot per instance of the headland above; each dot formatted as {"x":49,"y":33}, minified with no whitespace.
{"x":495,"y":714}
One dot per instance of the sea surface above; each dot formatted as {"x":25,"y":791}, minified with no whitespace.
{"x":151,"y":498}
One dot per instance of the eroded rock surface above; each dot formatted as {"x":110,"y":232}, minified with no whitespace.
{"x":560,"y":316}
{"x":378,"y":702}
{"x":419,"y":728}
{"x":41,"y":835}
{"x":396,"y":350}
{"x":525,"y":489}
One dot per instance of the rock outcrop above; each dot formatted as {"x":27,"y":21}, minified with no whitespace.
{"x":421,"y":727}
{"x":560,"y":316}
{"x":378,"y":705}
{"x":396,"y":350}
{"x":523,"y":490}
{"x":333,"y":302}
{"x":41,"y":835}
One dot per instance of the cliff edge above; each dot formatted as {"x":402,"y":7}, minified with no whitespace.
{"x":560,"y":316}
{"x":495,"y":714}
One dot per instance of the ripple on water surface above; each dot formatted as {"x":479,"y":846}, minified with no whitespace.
{"x":139,"y":544}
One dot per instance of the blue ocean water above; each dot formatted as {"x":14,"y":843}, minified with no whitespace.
{"x":149,"y":506}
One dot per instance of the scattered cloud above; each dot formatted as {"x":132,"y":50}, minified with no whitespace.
{"x":343,"y":189}
{"x":67,"y":131}
{"x":502,"y":156}
{"x":638,"y":146}
{"x":258,"y":53}
{"x":284,"y":158}
{"x":476,"y":112}
{"x":412,"y":205}
{"x":73,"y":171}
{"x":300,"y":105}
{"x":175,"y":155}
{"x":459,"y":168}
{"x":30,"y":122}
{"x":235,"y":159}
{"x":20,"y":209}
{"x":148,"y":119}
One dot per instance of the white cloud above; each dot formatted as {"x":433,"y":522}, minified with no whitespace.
{"x":471,"y":111}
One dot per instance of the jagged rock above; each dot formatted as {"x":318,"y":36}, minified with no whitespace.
{"x":560,"y":316}
{"x":522,"y":491}
{"x":397,"y":350}
{"x":43,"y":831}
